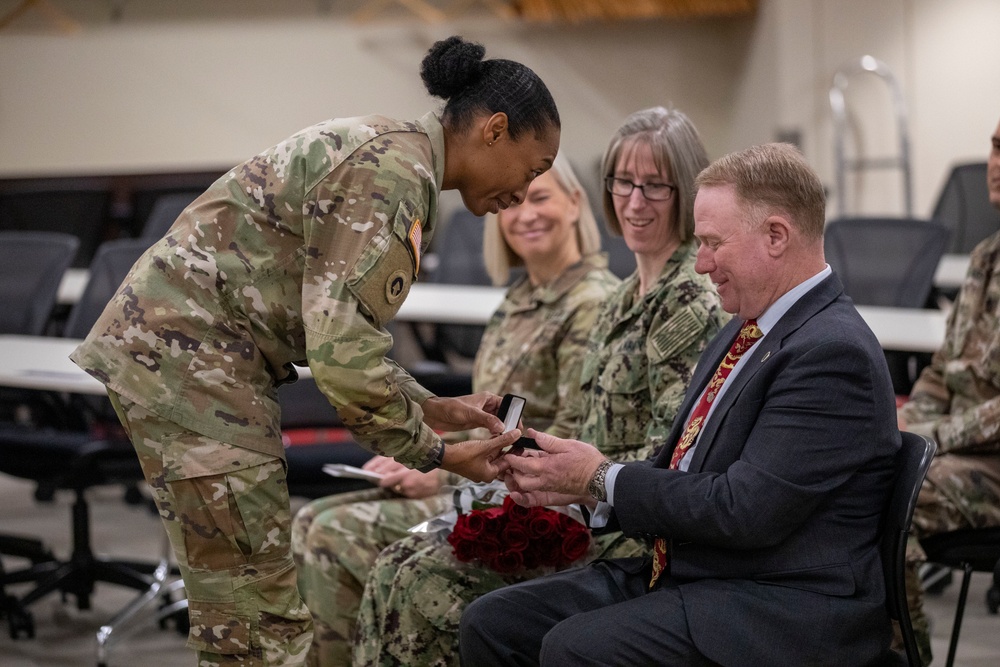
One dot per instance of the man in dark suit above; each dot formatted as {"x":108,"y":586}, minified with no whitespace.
{"x":765,"y":504}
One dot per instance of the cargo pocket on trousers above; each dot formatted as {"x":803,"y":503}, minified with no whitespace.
{"x":218,"y":631}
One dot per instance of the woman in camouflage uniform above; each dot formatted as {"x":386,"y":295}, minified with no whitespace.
{"x":643,"y":350}
{"x":302,"y":255}
{"x":533,"y":347}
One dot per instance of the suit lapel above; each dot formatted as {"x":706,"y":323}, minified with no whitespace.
{"x":707,"y":364}
{"x":801,"y":311}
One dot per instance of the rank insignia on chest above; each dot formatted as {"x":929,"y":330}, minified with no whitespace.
{"x":415,"y":236}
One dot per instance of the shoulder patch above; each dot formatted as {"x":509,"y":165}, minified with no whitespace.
{"x":394,"y":287}
{"x":382,"y":288}
{"x":676,"y":334}
{"x":415,"y":236}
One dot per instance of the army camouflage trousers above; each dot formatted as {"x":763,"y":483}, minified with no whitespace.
{"x":335,"y":541}
{"x":226,"y":512}
{"x":417,"y":591}
{"x":961,"y":491}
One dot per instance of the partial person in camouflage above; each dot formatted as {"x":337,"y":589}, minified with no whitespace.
{"x":642,"y":352}
{"x":956,"y":401}
{"x":301,"y":255}
{"x":533,"y":346}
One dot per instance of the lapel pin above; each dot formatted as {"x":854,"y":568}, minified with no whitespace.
{"x":766,"y":356}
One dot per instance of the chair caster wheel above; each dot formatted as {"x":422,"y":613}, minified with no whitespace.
{"x":20,"y":621}
{"x":993,"y":600}
{"x":179,"y":619}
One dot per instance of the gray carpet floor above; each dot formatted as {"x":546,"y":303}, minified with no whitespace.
{"x":65,"y":636}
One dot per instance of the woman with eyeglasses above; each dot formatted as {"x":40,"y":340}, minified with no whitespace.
{"x":641,"y":353}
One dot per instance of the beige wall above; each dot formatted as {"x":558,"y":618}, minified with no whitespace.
{"x":176,"y":85}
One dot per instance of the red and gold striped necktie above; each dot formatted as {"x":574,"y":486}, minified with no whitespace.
{"x":749,"y":335}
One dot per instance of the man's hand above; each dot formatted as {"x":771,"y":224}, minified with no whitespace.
{"x":402,"y":480}
{"x":479,"y":460}
{"x":541,"y":498}
{"x":463,"y":412}
{"x":562,"y":467}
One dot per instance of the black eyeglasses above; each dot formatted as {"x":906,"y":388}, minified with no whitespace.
{"x":621,"y":187}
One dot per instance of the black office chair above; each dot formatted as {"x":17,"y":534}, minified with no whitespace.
{"x":888,"y":262}
{"x":969,"y":550}
{"x":912,"y":462}
{"x":314,"y":436}
{"x":458,"y":252}
{"x":143,"y":198}
{"x":964,"y":207}
{"x":81,"y":212}
{"x":95,"y":453}
{"x":32,"y":265}
{"x":164,"y":212}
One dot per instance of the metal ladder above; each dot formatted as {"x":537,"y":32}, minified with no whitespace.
{"x":869,"y":64}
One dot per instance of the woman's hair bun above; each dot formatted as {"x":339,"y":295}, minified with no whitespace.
{"x":451,"y":65}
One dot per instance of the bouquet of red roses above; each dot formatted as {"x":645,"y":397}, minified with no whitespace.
{"x":511,"y":538}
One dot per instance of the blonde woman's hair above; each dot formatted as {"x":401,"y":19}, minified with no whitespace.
{"x":677,"y":152}
{"x":497,"y":254}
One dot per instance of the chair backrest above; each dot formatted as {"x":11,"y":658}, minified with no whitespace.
{"x":621,"y":260}
{"x":165,"y":210}
{"x":912,"y":461}
{"x":886,"y":261}
{"x":111,"y":264}
{"x":83,"y":213}
{"x":32,"y":265}
{"x":964,"y":207}
{"x":303,"y":405}
{"x":459,"y":248}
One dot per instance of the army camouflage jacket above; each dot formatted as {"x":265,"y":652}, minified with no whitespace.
{"x":641,"y":357}
{"x":956,"y":399}
{"x":299,"y":255}
{"x":536,"y":341}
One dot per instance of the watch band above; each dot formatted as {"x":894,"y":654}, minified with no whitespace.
{"x":596,"y":486}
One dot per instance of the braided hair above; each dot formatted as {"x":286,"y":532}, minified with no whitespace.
{"x":455,"y":71}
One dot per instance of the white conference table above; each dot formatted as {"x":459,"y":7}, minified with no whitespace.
{"x":41,"y":362}
{"x":951,"y":270}
{"x":906,"y":329}
{"x":421,"y":305}
{"x":71,"y":286}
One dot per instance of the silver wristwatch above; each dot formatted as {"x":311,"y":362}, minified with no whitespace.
{"x":596,"y":486}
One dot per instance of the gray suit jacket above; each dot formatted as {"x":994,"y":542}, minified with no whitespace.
{"x":775,"y":524}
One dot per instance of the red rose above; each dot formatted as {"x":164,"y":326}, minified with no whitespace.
{"x":542,"y":522}
{"x":514,"y":537}
{"x":492,"y":514}
{"x":467,"y":527}
{"x":508,"y":562}
{"x":475,"y":523}
{"x":464,"y":551}
{"x":514,"y":511}
{"x":487,"y":547}
{"x":575,"y":544}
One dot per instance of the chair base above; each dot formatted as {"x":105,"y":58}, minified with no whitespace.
{"x":76,"y":576}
